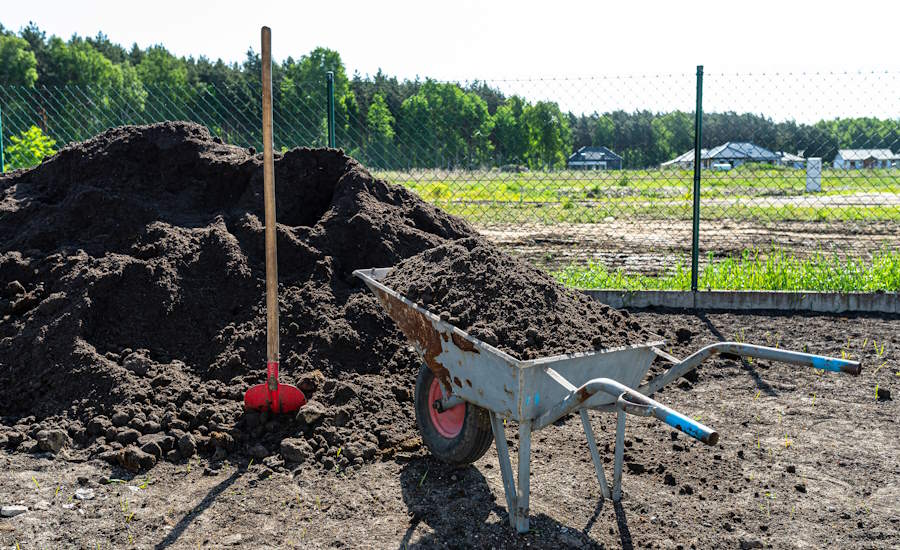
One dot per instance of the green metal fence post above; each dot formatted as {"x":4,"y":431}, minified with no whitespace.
{"x":698,"y":129}
{"x":330,"y":79}
{"x":2,"y":159}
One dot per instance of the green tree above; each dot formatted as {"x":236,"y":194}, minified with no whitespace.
{"x":454,"y":126}
{"x":28,"y":149}
{"x":18,"y":66}
{"x":673,"y":134}
{"x":158,"y":67}
{"x":304,"y":95}
{"x":380,"y":126}
{"x":604,"y":132}
{"x":510,"y":134}
{"x":549,"y":135}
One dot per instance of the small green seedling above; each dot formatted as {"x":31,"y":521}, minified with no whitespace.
{"x":36,"y":484}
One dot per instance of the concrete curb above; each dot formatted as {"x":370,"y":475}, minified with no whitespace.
{"x":822,"y":302}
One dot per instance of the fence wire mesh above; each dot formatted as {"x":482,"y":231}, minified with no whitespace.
{"x":592,"y":176}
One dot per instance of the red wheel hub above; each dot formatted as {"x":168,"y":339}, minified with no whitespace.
{"x":450,"y":422}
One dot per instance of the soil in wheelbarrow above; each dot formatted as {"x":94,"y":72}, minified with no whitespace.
{"x":132,"y":312}
{"x":509,"y":304}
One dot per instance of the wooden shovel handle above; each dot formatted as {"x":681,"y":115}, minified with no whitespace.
{"x":269,"y":199}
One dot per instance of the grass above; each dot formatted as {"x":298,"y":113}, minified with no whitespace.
{"x":746,"y":192}
{"x":778,"y":270}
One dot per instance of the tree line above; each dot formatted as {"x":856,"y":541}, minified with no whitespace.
{"x":70,"y":89}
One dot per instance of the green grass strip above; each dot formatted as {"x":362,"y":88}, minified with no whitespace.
{"x":778,"y":270}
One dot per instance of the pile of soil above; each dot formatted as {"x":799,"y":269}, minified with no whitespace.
{"x":509,"y":304}
{"x":132,"y":313}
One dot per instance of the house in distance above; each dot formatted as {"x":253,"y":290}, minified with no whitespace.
{"x":594,"y":158}
{"x":864,"y":158}
{"x":726,"y":156}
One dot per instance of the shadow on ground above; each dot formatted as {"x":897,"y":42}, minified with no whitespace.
{"x":460,"y":510}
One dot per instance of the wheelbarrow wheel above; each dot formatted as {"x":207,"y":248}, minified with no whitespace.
{"x":460,"y":435}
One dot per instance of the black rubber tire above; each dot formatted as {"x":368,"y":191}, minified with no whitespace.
{"x":469,"y":445}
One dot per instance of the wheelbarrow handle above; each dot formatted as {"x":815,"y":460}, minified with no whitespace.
{"x":748,"y":350}
{"x":629,"y":401}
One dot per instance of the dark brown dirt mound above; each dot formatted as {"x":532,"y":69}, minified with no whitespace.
{"x":131,"y":299}
{"x":509,"y":304}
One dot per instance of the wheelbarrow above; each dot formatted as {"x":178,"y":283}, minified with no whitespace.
{"x":467,"y":389}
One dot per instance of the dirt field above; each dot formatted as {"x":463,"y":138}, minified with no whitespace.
{"x":804,"y":461}
{"x":651,"y":246}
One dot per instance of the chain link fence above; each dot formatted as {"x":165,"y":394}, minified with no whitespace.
{"x":590,"y":175}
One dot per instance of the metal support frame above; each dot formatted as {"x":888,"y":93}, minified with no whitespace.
{"x":628,"y":401}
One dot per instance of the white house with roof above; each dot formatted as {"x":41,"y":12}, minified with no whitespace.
{"x":864,"y":158}
{"x":728,"y":155}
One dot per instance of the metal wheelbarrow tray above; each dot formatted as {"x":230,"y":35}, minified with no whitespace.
{"x":467,"y":388}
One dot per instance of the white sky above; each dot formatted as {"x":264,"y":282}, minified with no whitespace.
{"x":465,"y":40}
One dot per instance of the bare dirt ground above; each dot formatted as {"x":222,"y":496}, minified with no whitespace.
{"x":651,"y":246}
{"x":805,"y":460}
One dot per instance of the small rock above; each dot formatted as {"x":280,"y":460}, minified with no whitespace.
{"x":801,"y":487}
{"x":312,"y":412}
{"x":134,"y":459}
{"x":749,"y":544}
{"x":295,"y":449}
{"x":152,"y":448}
{"x":669,"y":479}
{"x":221,"y":440}
{"x":128,"y":436}
{"x":137,"y":363}
{"x":12,"y":511}
{"x":187,"y":446}
{"x":150,"y":427}
{"x":41,"y":505}
{"x":120,"y":419}
{"x":52,"y":440}
{"x":98,"y":425}
{"x":84,"y":494}
{"x":791,"y":469}
{"x":311,"y":381}
{"x":683,"y":335}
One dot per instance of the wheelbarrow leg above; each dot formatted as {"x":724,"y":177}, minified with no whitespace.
{"x":524,"y":477}
{"x":509,"y":484}
{"x":516,"y":501}
{"x":595,"y":455}
{"x":620,"y":455}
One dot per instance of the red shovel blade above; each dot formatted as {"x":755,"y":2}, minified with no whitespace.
{"x":283,"y":398}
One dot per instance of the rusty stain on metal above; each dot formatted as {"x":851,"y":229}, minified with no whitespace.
{"x":468,"y":382}
{"x":463,"y":344}
{"x":457,"y":381}
{"x":419,"y":329}
{"x":444,"y":336}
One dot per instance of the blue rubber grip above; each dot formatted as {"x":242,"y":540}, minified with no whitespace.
{"x":692,"y":428}
{"x":832,"y":364}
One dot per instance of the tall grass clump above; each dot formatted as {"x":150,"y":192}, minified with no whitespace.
{"x":753,"y":270}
